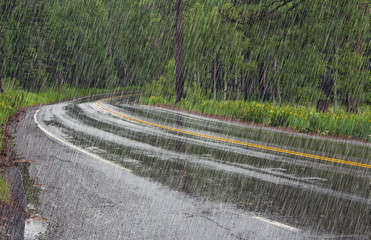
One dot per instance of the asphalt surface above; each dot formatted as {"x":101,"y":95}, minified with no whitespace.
{"x":99,"y":176}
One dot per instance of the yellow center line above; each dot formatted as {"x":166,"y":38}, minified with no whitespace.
{"x":225,"y":139}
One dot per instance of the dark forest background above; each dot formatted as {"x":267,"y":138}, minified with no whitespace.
{"x":283,"y":51}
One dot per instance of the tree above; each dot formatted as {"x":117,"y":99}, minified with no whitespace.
{"x":179,"y":52}
{"x":5,"y":9}
{"x":249,"y":12}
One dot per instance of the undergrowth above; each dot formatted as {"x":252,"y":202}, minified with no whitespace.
{"x":301,"y":118}
{"x":4,"y":190}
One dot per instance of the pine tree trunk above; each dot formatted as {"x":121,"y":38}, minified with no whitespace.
{"x":1,"y":82}
{"x":1,"y":62}
{"x":334,"y":87}
{"x":264,"y":87}
{"x":214,"y":80}
{"x":279,"y":91}
{"x":275,"y":85}
{"x":179,"y":52}
{"x":240,"y":86}
{"x":59,"y":81}
{"x":235,"y":86}
{"x":197,"y":76}
{"x":246,"y":89}
{"x":225,"y":87}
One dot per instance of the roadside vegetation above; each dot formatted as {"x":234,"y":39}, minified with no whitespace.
{"x":14,"y":99}
{"x":4,"y":189}
{"x":299,"y":117}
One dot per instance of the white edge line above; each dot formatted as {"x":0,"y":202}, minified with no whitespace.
{"x":277,"y":224}
{"x":75,"y":147}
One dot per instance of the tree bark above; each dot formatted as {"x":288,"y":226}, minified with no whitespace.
{"x":1,"y":64}
{"x":279,"y":91}
{"x":334,"y":87}
{"x":246,"y":88}
{"x":264,"y":84}
{"x":197,"y":76}
{"x":275,"y":85}
{"x":214,"y":80}
{"x":179,"y":52}
{"x":1,"y":83}
{"x":225,"y":86}
{"x":59,"y":81}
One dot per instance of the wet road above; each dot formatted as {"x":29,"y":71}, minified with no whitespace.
{"x":109,"y":170}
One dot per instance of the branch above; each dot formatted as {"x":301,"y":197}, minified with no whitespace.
{"x":295,"y":5}
{"x":324,"y":61}
{"x":271,"y":4}
{"x":232,"y":20}
{"x":263,"y":14}
{"x":278,"y":7}
{"x":4,"y":27}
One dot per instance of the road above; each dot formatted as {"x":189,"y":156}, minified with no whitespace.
{"x":108,"y":169}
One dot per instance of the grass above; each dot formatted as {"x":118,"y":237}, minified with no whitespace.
{"x":11,"y":101}
{"x":4,"y":190}
{"x":301,"y":118}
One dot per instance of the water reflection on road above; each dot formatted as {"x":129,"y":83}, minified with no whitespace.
{"x":325,"y":197}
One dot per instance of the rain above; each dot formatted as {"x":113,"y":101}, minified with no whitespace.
{"x":185,"y":119}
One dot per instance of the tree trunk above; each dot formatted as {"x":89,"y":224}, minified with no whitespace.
{"x":275,"y":85}
{"x":179,"y":52}
{"x":246,"y":84}
{"x":240,"y":86}
{"x":59,"y":81}
{"x":1,"y":83}
{"x":197,"y":76}
{"x":1,"y":62}
{"x":235,"y":86}
{"x":334,"y":87}
{"x":225,"y":86}
{"x":279,"y":91}
{"x":264,"y":86}
{"x":214,"y":80}
{"x":262,"y":83}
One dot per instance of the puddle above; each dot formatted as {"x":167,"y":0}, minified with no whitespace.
{"x":34,"y":227}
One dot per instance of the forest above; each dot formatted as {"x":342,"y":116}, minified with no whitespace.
{"x":279,"y":51}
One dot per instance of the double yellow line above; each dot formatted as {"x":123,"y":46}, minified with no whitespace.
{"x":225,"y":139}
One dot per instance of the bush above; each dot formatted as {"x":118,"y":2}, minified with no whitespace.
{"x":302,"y":119}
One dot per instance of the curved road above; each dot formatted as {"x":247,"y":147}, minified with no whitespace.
{"x":109,"y":169}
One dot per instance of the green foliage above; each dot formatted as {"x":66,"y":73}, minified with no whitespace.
{"x":195,"y":93}
{"x":301,"y":118}
{"x":353,"y":76}
{"x":10,"y":84}
{"x":154,"y":100}
{"x":9,"y":103}
{"x":164,"y":86}
{"x":12,"y":100}
{"x":281,"y":51}
{"x":4,"y":189}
